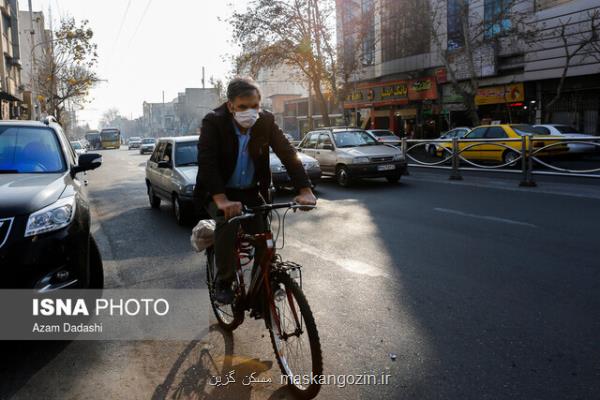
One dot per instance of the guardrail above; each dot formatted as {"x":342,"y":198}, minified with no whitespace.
{"x":528,"y":152}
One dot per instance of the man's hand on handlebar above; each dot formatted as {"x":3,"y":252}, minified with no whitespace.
{"x":230,"y":208}
{"x":306,"y":198}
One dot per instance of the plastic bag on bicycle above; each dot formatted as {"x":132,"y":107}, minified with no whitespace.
{"x":203,"y":235}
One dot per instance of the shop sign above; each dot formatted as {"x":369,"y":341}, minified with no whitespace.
{"x":441,"y":75}
{"x":392,"y":93}
{"x":510,"y":93}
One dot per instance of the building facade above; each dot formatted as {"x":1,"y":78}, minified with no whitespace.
{"x":401,"y":81}
{"x":11,"y":90}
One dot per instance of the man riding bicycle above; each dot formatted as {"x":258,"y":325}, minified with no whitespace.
{"x":233,"y":170}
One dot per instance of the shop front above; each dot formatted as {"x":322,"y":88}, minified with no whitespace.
{"x":406,"y":107}
{"x":503,"y":104}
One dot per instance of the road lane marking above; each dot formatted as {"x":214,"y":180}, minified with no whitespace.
{"x":485,"y":217}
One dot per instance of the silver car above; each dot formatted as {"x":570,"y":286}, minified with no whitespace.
{"x":352,"y":153}
{"x":385,"y":136}
{"x":147,"y":145}
{"x":281,"y":179}
{"x":171,"y":175}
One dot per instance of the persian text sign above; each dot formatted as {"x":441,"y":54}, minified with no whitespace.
{"x":391,"y":93}
{"x":510,"y":93}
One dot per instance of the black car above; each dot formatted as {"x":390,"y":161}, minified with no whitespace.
{"x":45,"y":240}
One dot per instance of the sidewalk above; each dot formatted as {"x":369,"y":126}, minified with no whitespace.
{"x":563,"y":186}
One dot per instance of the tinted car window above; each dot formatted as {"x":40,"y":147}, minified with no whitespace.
{"x":157,"y":155}
{"x":324,"y":140}
{"x":148,"y":141}
{"x":543,"y":130}
{"x":566,"y":129}
{"x":311,"y":141}
{"x":30,"y":150}
{"x":168,"y":154}
{"x":186,"y":153}
{"x":477,"y":133}
{"x":495,"y":132}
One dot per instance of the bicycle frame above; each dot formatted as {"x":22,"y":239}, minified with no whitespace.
{"x":261,"y":277}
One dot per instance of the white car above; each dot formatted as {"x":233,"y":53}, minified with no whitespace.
{"x":385,"y":136}
{"x":569,"y":132}
{"x":460,"y":132}
{"x":78,"y":147}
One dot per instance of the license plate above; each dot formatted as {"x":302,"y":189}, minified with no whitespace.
{"x":388,"y":167}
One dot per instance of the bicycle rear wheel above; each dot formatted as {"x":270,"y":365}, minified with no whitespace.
{"x":297,"y":346}
{"x":229,"y":316}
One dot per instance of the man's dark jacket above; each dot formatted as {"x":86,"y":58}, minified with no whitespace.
{"x":218,"y":152}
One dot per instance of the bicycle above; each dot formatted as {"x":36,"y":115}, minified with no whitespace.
{"x":275,"y":294}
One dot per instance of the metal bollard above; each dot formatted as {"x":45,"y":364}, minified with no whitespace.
{"x":404,"y":148}
{"x":526,"y":164}
{"x":455,"y":175}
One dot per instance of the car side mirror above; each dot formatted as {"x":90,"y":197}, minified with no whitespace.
{"x":328,"y":147}
{"x":164,"y":164}
{"x":87,"y":162}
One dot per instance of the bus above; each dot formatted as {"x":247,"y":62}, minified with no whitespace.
{"x":93,"y":139}
{"x":111,"y":138}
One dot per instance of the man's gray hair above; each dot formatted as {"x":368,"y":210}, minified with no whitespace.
{"x":242,"y":87}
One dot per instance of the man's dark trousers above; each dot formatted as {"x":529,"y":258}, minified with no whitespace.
{"x":226,"y":233}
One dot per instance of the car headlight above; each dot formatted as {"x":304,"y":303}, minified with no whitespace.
{"x":398,"y":157}
{"x":189,"y":189}
{"x":360,"y":160}
{"x":51,"y":218}
{"x":311,"y":165}
{"x":278,"y":168}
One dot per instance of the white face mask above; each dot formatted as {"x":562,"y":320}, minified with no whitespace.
{"x":247,"y":118}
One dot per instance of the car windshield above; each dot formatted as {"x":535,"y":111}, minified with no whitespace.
{"x":566,"y":129}
{"x":29,"y":150}
{"x":76,"y":145}
{"x":186,"y":153}
{"x":353,"y":139}
{"x":135,"y":139}
{"x":382,"y":133}
{"x":148,"y":141}
{"x":524,"y":130}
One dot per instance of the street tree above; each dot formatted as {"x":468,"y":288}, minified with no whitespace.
{"x":299,"y":33}
{"x":579,"y":42}
{"x":109,"y":117}
{"x":66,"y":71}
{"x":467,"y":47}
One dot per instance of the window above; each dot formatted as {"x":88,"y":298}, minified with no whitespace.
{"x":477,"y":133}
{"x":311,"y":141}
{"x":30,"y":150}
{"x":495,"y":132}
{"x":368,"y":26}
{"x":496,"y":16}
{"x":458,"y":11}
{"x":524,"y":130}
{"x":157,"y":155}
{"x":324,"y":140}
{"x":405,"y":28}
{"x":186,"y":153}
{"x":353,"y":139}
{"x":168,"y":154}
{"x":543,"y":130}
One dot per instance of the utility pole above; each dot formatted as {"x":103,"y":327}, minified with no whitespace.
{"x":310,"y":107}
{"x":203,"y":82}
{"x":33,"y":111}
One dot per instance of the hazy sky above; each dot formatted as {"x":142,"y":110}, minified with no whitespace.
{"x":162,"y":46}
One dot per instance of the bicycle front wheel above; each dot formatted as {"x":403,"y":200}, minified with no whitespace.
{"x":295,"y":337}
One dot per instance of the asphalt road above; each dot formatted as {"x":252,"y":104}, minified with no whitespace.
{"x":481,"y":290}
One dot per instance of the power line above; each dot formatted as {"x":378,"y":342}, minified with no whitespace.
{"x":123,"y":19}
{"x":140,"y":22}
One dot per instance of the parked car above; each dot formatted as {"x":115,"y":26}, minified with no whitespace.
{"x":485,"y":151}
{"x":45,"y":239}
{"x":78,"y":147}
{"x":352,"y":153}
{"x":280,"y":176}
{"x":134,"y":143}
{"x":385,"y":136}
{"x":171,"y":175}
{"x":431,"y":148}
{"x":567,"y":131}
{"x":147,"y":145}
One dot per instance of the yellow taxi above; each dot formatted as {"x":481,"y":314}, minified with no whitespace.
{"x":486,"y":151}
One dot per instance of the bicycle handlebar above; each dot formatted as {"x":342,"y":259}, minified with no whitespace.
{"x":252,"y":211}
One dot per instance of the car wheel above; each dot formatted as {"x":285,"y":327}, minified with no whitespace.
{"x":179,"y":211}
{"x":343,"y":177}
{"x":154,"y":201}
{"x":509,"y":158}
{"x":393,"y":178}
